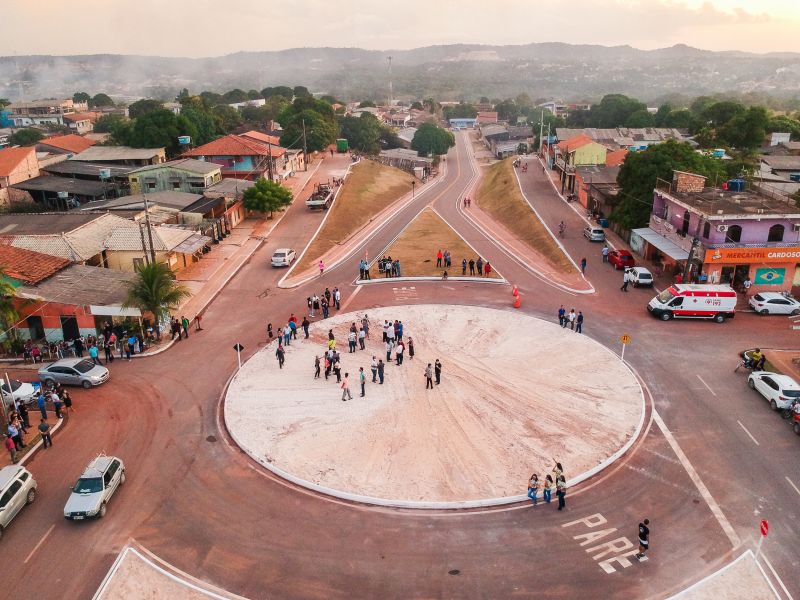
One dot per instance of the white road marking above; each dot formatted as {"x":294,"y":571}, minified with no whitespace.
{"x":733,"y":537}
{"x":775,"y":575}
{"x":350,"y":299}
{"x":755,"y":441}
{"x":708,"y":387}
{"x":791,"y":483}
{"x":41,"y":541}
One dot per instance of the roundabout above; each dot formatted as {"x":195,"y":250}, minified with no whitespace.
{"x":517,"y":394}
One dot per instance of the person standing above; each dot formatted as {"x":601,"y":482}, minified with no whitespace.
{"x":185,"y":324}
{"x":132,"y":344}
{"x":16,"y":435}
{"x":197,"y":318}
{"x":12,"y":448}
{"x":362,"y":379}
{"x":56,"y":404}
{"x":579,"y":323}
{"x":346,"y":388}
{"x":287,"y":335}
{"x":399,"y":353}
{"x":314,"y":305}
{"x":548,"y":489}
{"x":439,"y":257}
{"x":41,"y":403}
{"x":562,"y":312}
{"x":463,"y":267}
{"x":429,"y":377}
{"x":571,"y":319}
{"x":337,"y":368}
{"x":93,"y":354}
{"x":410,"y":348}
{"x":374,"y":368}
{"x":44,"y":431}
{"x":746,"y":285}
{"x":362,"y":335}
{"x":437,"y":368}
{"x":280,"y":354}
{"x":487,"y":269}
{"x":533,"y":488}
{"x":561,"y":491}
{"x":325,"y":307}
{"x":351,"y":341}
{"x":479,"y":266}
{"x":389,"y":345}
{"x":625,"y":280}
{"x":67,"y":400}
{"x":305,"y":324}
{"x":337,"y":297}
{"x":365,"y":326}
{"x":471,"y":267}
{"x":321,"y":266}
{"x":316,"y":367}
{"x":380,"y":370}
{"x":583,"y":266}
{"x":644,"y":539}
{"x":605,"y":253}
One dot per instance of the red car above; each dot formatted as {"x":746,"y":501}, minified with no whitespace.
{"x":621,"y":258}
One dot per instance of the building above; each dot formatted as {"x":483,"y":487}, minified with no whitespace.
{"x":64,"y":144}
{"x":43,"y":112}
{"x":398,"y":119}
{"x":733,"y":233}
{"x":262,"y":138}
{"x":594,"y":185}
{"x":486,"y":118}
{"x":576,"y":152}
{"x":785,"y":166}
{"x":491,"y":133}
{"x":406,"y":136}
{"x":633,"y":139}
{"x":62,"y":193}
{"x":462,"y":123}
{"x":114,"y":178}
{"x":181,"y":175}
{"x":173,"y":107}
{"x":16,"y":165}
{"x":122,"y":156}
{"x":562,"y":109}
{"x":81,"y":123}
{"x":128,"y":248}
{"x":242,"y":157}
{"x":255,"y":102}
{"x":407,"y":160}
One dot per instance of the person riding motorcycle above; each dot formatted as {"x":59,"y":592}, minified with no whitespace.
{"x":755,"y":359}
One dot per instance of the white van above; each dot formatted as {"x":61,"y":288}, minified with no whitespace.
{"x":695,"y":301}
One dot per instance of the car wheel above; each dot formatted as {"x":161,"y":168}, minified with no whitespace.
{"x":666,"y":316}
{"x":48,"y":383}
{"x":1,"y":527}
{"x":635,"y":284}
{"x":796,"y":430}
{"x":796,"y":311}
{"x":122,"y":478}
{"x":102,"y":512}
{"x":87,"y":385}
{"x":719,"y":318}
{"x":31,"y":496}
{"x":751,"y":383}
{"x":773,"y":405}
{"x":763,"y":311}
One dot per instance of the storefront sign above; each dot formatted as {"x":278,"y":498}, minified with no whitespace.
{"x":769,"y":276}
{"x":743,"y":256}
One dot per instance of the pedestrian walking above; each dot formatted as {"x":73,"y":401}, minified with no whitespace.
{"x":346,"y":388}
{"x":66,"y":398}
{"x":605,"y":253}
{"x":561,"y":491}
{"x":625,"y":280}
{"x":562,"y":313}
{"x":316,"y":367}
{"x":287,"y":335}
{"x":185,"y":325}
{"x":437,"y":368}
{"x":579,"y":323}
{"x":321,"y":266}
{"x":463,"y":267}
{"x":12,"y":448}
{"x":44,"y":431}
{"x":131,"y":345}
{"x":471,"y":267}
{"x":197,"y":318}
{"x":305,"y":324}
{"x":362,"y":335}
{"x":380,"y":370}
{"x":280,"y":354}
{"x":362,"y":379}
{"x":583,"y":266}
{"x":410,"y":348}
{"x":93,"y":354}
{"x":533,"y":488}
{"x":337,"y":368}
{"x":548,"y":489}
{"x":571,"y":319}
{"x":429,"y":377}
{"x":644,"y":539}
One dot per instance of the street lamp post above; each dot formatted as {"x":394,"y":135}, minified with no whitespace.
{"x":413,"y":185}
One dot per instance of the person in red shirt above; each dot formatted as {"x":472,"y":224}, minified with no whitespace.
{"x":439,"y":256}
{"x":487,"y":268}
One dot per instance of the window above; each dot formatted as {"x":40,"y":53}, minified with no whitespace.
{"x":677,"y":302}
{"x":151,"y":185}
{"x":107,"y":477}
{"x":734,"y":234}
{"x":24,"y":477}
{"x":776,"y":233}
{"x":10,"y":493}
{"x":176,"y":185}
{"x":138,"y":263}
{"x":112,"y":469}
{"x":706,"y":229}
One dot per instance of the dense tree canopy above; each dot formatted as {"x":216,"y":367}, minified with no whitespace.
{"x":362,"y":132}
{"x":280,"y":90}
{"x":261,"y":114}
{"x":212,"y":98}
{"x":142,"y":107}
{"x":321,"y":126}
{"x":107,"y":123}
{"x":227,"y":118}
{"x":81,"y":97}
{"x":430,"y":140}
{"x":233,"y":96}
{"x":267,"y":197}
{"x":745,"y":129}
{"x":158,"y":129}
{"x":25,"y":137}
{"x":301,"y":90}
{"x":101,"y":100}
{"x":460,"y":111}
{"x":785,"y":124}
{"x":640,"y":118}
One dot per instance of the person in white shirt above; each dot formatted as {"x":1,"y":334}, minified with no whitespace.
{"x":351,"y":341}
{"x":571,"y":318}
{"x":361,"y":337}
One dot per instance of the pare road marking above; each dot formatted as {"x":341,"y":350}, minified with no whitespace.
{"x":614,"y":550}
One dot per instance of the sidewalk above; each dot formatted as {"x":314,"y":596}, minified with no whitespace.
{"x":33,"y":440}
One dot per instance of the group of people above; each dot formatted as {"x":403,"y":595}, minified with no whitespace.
{"x":388,"y":266}
{"x":570,"y":319}
{"x":555,"y":480}
{"x":484,"y":269}
{"x":467,"y":202}
{"x":319,"y":302}
{"x":180,"y":327}
{"x":19,"y":419}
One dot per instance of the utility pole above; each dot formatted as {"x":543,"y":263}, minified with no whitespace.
{"x":144,"y":245}
{"x":391,"y":91}
{"x":305,"y":148}
{"x":541,"y":132}
{"x":149,"y":231}
{"x":269,"y":160}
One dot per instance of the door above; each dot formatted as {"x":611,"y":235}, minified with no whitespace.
{"x":69,"y":327}
{"x":35,"y":327}
{"x":685,"y":224}
{"x":768,"y":387}
{"x":110,"y":477}
{"x":726,"y":276}
{"x":10,"y":503}
{"x":741,"y":273}
{"x":780,"y":306}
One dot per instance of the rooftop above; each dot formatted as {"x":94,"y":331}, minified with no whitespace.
{"x":573,"y":143}
{"x":80,"y":285}
{"x":105,"y":153}
{"x":39,"y":103}
{"x":229,"y":187}
{"x":77,"y":167}
{"x":27,"y":265}
{"x":405,"y":154}
{"x":70,"y":142}
{"x":716,"y":202}
{"x":190,"y":165}
{"x":169,"y":199}
{"x":782,"y":163}
{"x":598,"y":174}
{"x":234,"y":145}
{"x":51,"y":183}
{"x":11,"y":157}
{"x":263,"y":138}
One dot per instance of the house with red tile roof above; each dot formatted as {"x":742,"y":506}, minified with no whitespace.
{"x":16,"y":165}
{"x":64,"y":144}
{"x":81,"y":123}
{"x":263,"y":138}
{"x":486,"y":117}
{"x":28,"y":266}
{"x":241,"y":157}
{"x":574,"y":152}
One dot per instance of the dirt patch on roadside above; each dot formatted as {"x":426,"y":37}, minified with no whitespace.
{"x":500,"y":196}
{"x":370,"y":188}
{"x":418,"y":244}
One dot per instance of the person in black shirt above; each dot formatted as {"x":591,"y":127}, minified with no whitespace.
{"x":644,"y":535}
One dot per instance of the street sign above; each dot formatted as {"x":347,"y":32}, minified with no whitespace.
{"x":764,"y":528}
{"x":238,"y":347}
{"x":625,"y":338}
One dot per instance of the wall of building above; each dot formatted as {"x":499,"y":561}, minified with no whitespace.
{"x":25,"y":170}
{"x":51,"y":314}
{"x":124,"y":260}
{"x":590,"y":154}
{"x":162,"y":177}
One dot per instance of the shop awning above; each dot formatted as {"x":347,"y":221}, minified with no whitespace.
{"x":666,"y":246}
{"x":192,"y":244}
{"x":114,"y":311}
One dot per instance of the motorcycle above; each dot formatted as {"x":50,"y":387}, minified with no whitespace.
{"x":745,"y":361}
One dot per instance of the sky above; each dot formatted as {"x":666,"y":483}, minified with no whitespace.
{"x":197,"y":28}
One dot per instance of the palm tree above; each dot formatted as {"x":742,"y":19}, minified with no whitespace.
{"x":156,"y":291}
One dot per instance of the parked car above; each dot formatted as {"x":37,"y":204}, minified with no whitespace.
{"x":20,"y":390}
{"x":620,"y":259}
{"x":640,"y":277}
{"x":74,"y":371}
{"x":779,"y":390}
{"x":594,"y":233}
{"x":283,"y":257}
{"x":17,"y":489}
{"x":94,"y":489}
{"x":774,"y":303}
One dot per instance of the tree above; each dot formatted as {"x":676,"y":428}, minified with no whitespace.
{"x":227,"y":118}
{"x":267,"y":196}
{"x":366,"y":104}
{"x":156,"y":291}
{"x":4,"y":102}
{"x":25,"y":137}
{"x":363,"y":132}
{"x":261,"y":114}
{"x":8,"y":310}
{"x":460,"y":111}
{"x":613,"y":110}
{"x":253,"y":95}
{"x":746,"y":129}
{"x":329,"y":99}
{"x":320,"y":132}
{"x":681,"y":119}
{"x":203,"y":121}
{"x":785,"y":124}
{"x":720,"y":113}
{"x":640,"y":171}
{"x":184,"y":93}
{"x":107,"y":123}
{"x":417,"y":105}
{"x":212,"y":98}
{"x":142,"y":107}
{"x":81,"y":97}
{"x":160,"y":129}
{"x":660,"y":118}
{"x":280,"y":90}
{"x":101,"y":100}
{"x":432,"y":140}
{"x":301,"y":90}
{"x":641,"y":118}
{"x":235,"y":95}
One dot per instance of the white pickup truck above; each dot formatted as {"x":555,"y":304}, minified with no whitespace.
{"x":321,"y":198}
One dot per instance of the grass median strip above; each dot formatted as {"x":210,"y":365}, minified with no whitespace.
{"x":370,"y":188}
{"x":500,"y":196}
{"x":417,"y":246}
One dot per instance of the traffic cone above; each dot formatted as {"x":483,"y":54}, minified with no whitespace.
{"x":514,"y":291}
{"x":518,"y":301}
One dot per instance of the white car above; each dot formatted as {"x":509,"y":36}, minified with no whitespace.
{"x":17,"y":489}
{"x":780,"y":390}
{"x":774,"y":303}
{"x":283,"y":257}
{"x":94,"y":488}
{"x":20,"y":390}
{"x":639,"y":276}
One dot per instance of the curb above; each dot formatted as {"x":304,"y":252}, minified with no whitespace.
{"x":39,"y":444}
{"x":378,"y":280}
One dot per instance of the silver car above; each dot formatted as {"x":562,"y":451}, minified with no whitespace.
{"x":17,"y":489}
{"x":94,"y":489}
{"x":594,"y":233}
{"x":74,"y":371}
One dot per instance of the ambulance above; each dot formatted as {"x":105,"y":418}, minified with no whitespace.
{"x":695,"y":301}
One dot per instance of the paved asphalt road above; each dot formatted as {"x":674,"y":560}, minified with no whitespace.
{"x":201,"y":504}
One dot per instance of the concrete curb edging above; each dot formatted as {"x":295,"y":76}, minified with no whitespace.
{"x":38,"y":446}
{"x":459,"y":278}
{"x":463,"y":504}
{"x":722,"y":570}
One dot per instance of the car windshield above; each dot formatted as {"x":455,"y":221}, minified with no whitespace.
{"x":665,"y":296}
{"x":643,"y":275}
{"x":15,"y":385}
{"x":791,"y":393}
{"x":758,"y":297}
{"x":279,"y":254}
{"x":88,"y":485}
{"x":84,"y":366}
